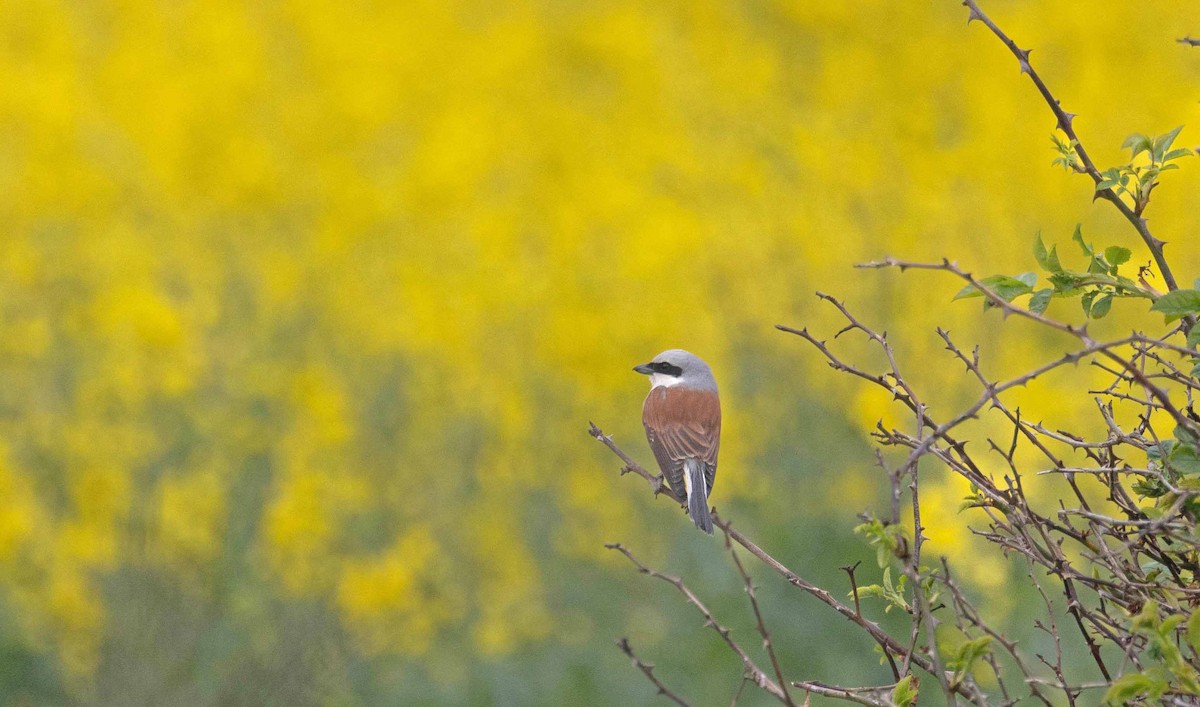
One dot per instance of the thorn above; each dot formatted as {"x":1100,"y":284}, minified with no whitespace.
{"x":1066,"y":121}
{"x":1023,"y":60}
{"x":974,"y":13}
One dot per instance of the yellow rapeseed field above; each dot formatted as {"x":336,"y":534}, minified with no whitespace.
{"x":305,"y":308}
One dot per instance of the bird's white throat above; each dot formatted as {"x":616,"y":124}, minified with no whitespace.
{"x":657,"y":379}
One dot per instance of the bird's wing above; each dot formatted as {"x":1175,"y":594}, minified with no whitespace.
{"x":682,"y":424}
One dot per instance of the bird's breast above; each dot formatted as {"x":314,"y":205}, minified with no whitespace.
{"x":679,"y":405}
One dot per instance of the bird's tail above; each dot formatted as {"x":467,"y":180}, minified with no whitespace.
{"x":697,"y":494}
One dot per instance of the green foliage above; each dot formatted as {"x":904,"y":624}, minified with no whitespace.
{"x":1136,"y":179}
{"x":1097,"y":285}
{"x":1193,"y":631}
{"x":1067,"y":158}
{"x":889,"y":540}
{"x":975,"y":499}
{"x":1005,"y":286}
{"x":1178,"y":460}
{"x":906,"y":690}
{"x":1179,"y":304}
{"x":892,"y":593}
{"x":966,"y":655}
{"x":1178,"y":457}
{"x":1100,"y":283}
{"x":1134,"y":685}
{"x":1172,"y":671}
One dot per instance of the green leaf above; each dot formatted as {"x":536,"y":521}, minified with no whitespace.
{"x":1162,"y":143}
{"x":1193,"y":631}
{"x":1131,"y":287}
{"x":1078,"y":238}
{"x":1176,"y":154}
{"x":1066,"y":282}
{"x":1184,"y":459}
{"x":1147,"y":618}
{"x":1041,"y":300}
{"x":1169,"y":624}
{"x":1048,"y":259}
{"x":886,"y":539}
{"x":1193,"y":337}
{"x":905,"y":691}
{"x":1179,"y":303}
{"x":1153,"y":570}
{"x":1138,"y":143}
{"x":1129,"y":687}
{"x":1149,"y":487}
{"x":1101,"y":307}
{"x":967,"y":654}
{"x":1159,"y":451}
{"x":1116,"y":255}
{"x":972,"y":650}
{"x":1004,"y":286}
{"x":1086,"y":301}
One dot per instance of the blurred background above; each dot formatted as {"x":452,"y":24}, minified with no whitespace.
{"x":305,"y":308}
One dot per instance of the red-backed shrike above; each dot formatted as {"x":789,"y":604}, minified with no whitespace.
{"x":682,"y":416}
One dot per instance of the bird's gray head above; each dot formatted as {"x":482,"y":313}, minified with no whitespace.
{"x":678,"y":367}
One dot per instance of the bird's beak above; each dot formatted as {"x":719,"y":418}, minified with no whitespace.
{"x":644,"y":369}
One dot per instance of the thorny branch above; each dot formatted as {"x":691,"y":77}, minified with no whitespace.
{"x":875,"y":696}
{"x":1117,"y":545}
{"x":758,"y":618}
{"x":919,"y":658}
{"x":648,"y":670}
{"x":1121,"y":544}
{"x":1065,"y":122}
{"x":1121,"y":547}
{"x":751,"y":668}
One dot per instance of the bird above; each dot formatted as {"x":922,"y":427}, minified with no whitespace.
{"x":682,"y":417}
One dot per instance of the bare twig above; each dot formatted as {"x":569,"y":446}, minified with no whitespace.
{"x":758,"y":618}
{"x":750,"y":667}
{"x":849,"y":570}
{"x":648,"y":670}
{"x":874,"y":696}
